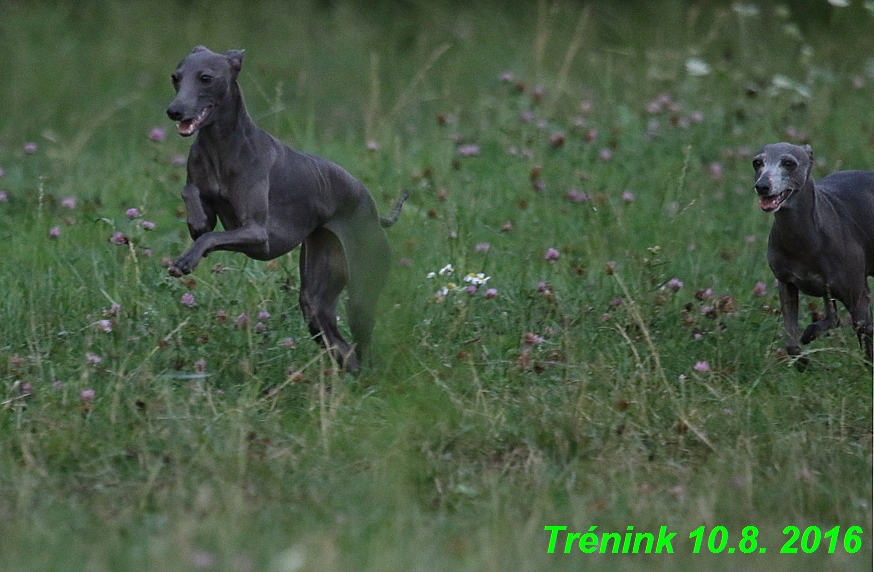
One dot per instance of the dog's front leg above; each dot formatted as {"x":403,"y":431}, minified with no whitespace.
{"x":201,"y":218}
{"x":248,"y":227}
{"x":251,"y":240}
{"x":789,"y":308}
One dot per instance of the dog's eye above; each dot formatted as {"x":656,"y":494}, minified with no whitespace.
{"x":788,"y":164}
{"x":757,"y":164}
{"x":205,"y":79}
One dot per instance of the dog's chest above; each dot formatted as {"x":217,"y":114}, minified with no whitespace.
{"x":213,"y":174}
{"x":800,"y":271}
{"x":216,"y":191}
{"x":208,"y":177}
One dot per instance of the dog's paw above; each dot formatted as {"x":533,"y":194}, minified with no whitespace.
{"x":196,"y":230}
{"x":185,"y":265}
{"x":811,"y":332}
{"x":351,"y":365}
{"x":801,"y":361}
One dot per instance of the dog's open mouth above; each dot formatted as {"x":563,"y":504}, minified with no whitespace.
{"x":771,"y":203}
{"x":187,"y":127}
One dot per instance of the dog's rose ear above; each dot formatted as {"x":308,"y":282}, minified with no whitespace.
{"x":235,"y":57}
{"x":199,"y":49}
{"x":809,"y":150}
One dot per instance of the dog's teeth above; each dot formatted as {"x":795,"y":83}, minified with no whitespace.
{"x":769,"y":203}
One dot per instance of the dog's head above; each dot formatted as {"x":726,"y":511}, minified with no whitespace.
{"x":782,"y":169}
{"x":201,"y":81}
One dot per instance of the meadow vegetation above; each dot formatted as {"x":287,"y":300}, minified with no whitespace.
{"x":614,"y":360}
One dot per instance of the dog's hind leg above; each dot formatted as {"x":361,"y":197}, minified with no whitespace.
{"x":368,"y":255}
{"x":863,"y":324}
{"x":323,"y":275}
{"x":831,"y":320}
{"x":361,"y":307}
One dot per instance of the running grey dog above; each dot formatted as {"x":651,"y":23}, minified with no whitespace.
{"x":822,"y":240}
{"x":270,"y":199}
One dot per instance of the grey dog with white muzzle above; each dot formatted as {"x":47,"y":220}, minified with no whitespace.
{"x":822,"y":240}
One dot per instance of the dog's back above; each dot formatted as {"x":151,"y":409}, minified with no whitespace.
{"x":850,"y":196}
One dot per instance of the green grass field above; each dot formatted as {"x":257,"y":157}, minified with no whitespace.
{"x":636,"y":379}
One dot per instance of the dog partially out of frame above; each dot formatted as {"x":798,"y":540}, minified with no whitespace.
{"x":822,"y":240}
{"x":270,"y":199}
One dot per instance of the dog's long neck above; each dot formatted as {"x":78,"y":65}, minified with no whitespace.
{"x":796,"y":223}
{"x":232,"y":123}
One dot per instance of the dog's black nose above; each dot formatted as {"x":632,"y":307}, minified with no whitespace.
{"x":763,"y":188}
{"x":174,"y":113}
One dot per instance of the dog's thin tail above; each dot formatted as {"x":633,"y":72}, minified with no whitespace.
{"x":387,"y":221}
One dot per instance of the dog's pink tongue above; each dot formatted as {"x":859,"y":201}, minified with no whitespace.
{"x":769,"y":203}
{"x":185,"y":127}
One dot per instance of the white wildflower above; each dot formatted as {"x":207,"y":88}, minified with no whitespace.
{"x":745,"y":10}
{"x":781,"y":82}
{"x":697,"y":67}
{"x":440,"y":295}
{"x":477,"y":279}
